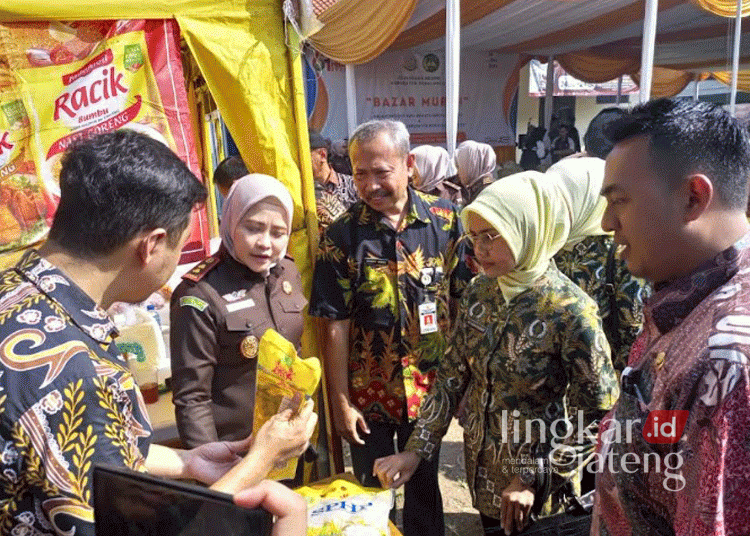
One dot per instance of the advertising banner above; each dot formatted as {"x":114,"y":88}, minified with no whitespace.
{"x":410,"y":87}
{"x":74,"y":80}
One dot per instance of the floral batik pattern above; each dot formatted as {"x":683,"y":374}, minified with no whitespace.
{"x":586,"y":265}
{"x":67,"y":401}
{"x":379,"y":278}
{"x":537,"y":364}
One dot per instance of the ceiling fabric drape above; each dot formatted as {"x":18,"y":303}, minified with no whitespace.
{"x":356,"y":32}
{"x":667,"y":82}
{"x":594,"y":68}
{"x":723,"y":8}
{"x":743,"y":79}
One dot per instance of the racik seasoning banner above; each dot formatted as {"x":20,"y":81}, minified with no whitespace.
{"x":61,"y":82}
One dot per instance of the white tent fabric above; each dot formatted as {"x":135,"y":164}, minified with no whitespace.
{"x":687,"y":36}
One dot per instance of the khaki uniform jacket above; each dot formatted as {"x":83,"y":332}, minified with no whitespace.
{"x":219,"y":304}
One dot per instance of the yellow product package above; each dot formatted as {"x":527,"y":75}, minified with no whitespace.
{"x":284,"y":381}
{"x":341,"y":506}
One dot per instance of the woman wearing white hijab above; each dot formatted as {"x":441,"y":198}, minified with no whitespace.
{"x":528,"y":344}
{"x":476,"y":163}
{"x":431,"y":168}
{"x":223,"y":307}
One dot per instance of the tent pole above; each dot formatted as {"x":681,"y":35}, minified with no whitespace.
{"x":351,"y":99}
{"x":697,"y":89}
{"x":619,"y":89}
{"x":736,"y":58}
{"x":453,"y":58}
{"x":549,"y":92}
{"x":647,"y":49}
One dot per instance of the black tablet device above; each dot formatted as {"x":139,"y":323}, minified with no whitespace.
{"x":128,"y":503}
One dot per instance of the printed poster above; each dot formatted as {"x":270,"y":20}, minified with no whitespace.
{"x":409,"y":86}
{"x":67,"y":81}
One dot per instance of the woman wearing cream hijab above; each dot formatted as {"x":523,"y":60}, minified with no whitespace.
{"x":528,"y":344}
{"x":588,"y":256}
{"x":431,"y":168}
{"x":476,"y":163}
{"x":222,"y":308}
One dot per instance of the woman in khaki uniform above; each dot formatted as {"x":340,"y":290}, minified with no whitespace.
{"x":223,"y":307}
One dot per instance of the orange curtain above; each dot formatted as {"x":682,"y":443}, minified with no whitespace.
{"x":723,"y":8}
{"x":743,"y":79}
{"x":666,"y":82}
{"x":594,"y":68}
{"x":356,"y":32}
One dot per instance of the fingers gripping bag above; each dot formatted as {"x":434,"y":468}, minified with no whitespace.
{"x":284,"y":381}
{"x":342,"y":506}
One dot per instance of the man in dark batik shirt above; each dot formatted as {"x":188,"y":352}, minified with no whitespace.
{"x":67,"y":399}
{"x":385,"y":274}
{"x":334,"y":192}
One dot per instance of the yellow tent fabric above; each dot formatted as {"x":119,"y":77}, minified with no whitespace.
{"x":723,"y":8}
{"x":356,"y":32}
{"x":256,"y":79}
{"x":743,"y":79}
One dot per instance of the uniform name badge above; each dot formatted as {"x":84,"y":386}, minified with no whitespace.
{"x":428,"y":318}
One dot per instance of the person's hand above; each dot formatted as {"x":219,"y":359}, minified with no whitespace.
{"x":517,"y":500}
{"x":207,"y":463}
{"x":289,"y":508}
{"x":397,"y":469}
{"x":346,"y":420}
{"x":285,"y":435}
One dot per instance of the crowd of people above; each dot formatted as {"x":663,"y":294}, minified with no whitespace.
{"x":588,"y":324}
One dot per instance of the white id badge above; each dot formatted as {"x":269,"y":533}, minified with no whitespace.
{"x":428,"y":318}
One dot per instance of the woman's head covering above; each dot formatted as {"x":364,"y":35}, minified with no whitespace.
{"x":474,"y":160}
{"x":532,"y":217}
{"x":580,"y":182}
{"x":432,"y":164}
{"x":243,"y":195}
{"x":538,"y":214}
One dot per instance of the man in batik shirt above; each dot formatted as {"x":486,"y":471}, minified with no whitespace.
{"x":384,"y":276}
{"x":67,"y":399}
{"x":334,"y":192}
{"x":674,"y":452}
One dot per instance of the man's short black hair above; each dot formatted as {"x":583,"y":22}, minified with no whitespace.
{"x":116,"y":185}
{"x":596,"y":143}
{"x":687,"y":137}
{"x":229,"y":170}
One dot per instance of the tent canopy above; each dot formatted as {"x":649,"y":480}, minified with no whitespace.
{"x":689,"y":36}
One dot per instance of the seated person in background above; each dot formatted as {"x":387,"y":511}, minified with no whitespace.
{"x":476,"y":163}
{"x":431,"y":166}
{"x":69,"y":400}
{"x":334,"y":192}
{"x":528,"y":344}
{"x":533,"y":149}
{"x":229,"y":170}
{"x":563,"y":145}
{"x":222,"y":308}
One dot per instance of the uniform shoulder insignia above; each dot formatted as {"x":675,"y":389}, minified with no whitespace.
{"x":202,"y":268}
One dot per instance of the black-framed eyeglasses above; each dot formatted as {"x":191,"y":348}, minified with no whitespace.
{"x":482,"y":240}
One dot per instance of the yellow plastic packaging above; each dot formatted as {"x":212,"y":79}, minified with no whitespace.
{"x":284,"y":381}
{"x":341,"y":506}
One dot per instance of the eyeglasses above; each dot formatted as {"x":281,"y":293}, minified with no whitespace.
{"x":482,"y":240}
